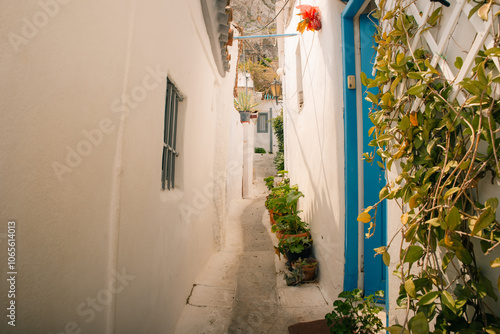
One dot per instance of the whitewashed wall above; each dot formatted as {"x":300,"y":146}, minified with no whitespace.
{"x":80,"y":169}
{"x":314,"y":135}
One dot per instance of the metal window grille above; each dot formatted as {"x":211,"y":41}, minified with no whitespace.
{"x":262,"y":122}
{"x":170,"y":153}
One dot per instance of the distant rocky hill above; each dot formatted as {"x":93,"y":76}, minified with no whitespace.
{"x":252,"y":16}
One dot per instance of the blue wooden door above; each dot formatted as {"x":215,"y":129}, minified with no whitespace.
{"x":373,"y":174}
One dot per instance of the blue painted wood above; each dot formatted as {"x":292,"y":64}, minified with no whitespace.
{"x":373,"y":175}
{"x":350,"y":149}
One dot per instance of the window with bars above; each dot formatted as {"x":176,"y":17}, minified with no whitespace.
{"x":170,"y":152}
{"x":262,"y":122}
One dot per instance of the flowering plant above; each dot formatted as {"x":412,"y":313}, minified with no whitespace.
{"x":311,"y":18}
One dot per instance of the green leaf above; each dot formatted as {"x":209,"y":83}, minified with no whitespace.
{"x":492,"y":51}
{"x":371,"y":97}
{"x":463,"y":255}
{"x":364,"y":79}
{"x":419,"y":324}
{"x":386,"y":257}
{"x":448,"y":301}
{"x":450,"y":192}
{"x":413,"y":254}
{"x":453,"y":219}
{"x":410,"y":288}
{"x":491,"y":330}
{"x":415,"y":75}
{"x":475,"y":9}
{"x":428,"y":298}
{"x":492,"y":202}
{"x":417,"y":89}
{"x":488,"y":287}
{"x":430,"y":172}
{"x":397,"y":329}
{"x":484,"y":220}
{"x":459,"y":62}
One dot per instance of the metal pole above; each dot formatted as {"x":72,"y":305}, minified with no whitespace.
{"x":266,"y":36}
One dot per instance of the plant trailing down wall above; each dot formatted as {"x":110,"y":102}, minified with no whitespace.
{"x":279,"y":159}
{"x":442,"y":150}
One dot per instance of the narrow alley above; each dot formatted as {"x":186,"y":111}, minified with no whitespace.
{"x":242,"y":289}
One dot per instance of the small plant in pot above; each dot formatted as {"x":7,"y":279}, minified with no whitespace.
{"x":294,"y":248}
{"x":283,"y":200}
{"x":303,"y":271}
{"x":355,"y":314}
{"x":290,"y":225}
{"x":308,"y":268}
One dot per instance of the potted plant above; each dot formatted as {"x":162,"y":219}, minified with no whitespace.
{"x":293,"y":248}
{"x":302,"y":271}
{"x":355,"y":314}
{"x":290,"y":225}
{"x":307,"y":267}
{"x":245,"y":105}
{"x":283,"y":200}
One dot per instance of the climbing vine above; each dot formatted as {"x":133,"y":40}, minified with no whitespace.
{"x":442,"y":150}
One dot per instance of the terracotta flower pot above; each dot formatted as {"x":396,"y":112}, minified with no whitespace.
{"x":308,"y":270}
{"x":280,"y":235}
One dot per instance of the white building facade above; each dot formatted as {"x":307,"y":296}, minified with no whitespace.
{"x":326,"y":135}
{"x":101,"y":247}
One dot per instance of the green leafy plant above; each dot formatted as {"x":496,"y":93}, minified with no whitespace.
{"x":269,"y":182}
{"x":355,"y":313}
{"x":279,"y":159}
{"x":442,"y":147}
{"x":294,"y":245}
{"x":283,"y":199}
{"x":245,"y":102}
{"x":259,"y":150}
{"x":290,"y":223}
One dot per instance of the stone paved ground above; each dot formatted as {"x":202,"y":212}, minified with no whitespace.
{"x":242,"y":290}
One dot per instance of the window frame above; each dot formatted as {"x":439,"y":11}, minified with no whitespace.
{"x":170,"y":153}
{"x":265,"y":123}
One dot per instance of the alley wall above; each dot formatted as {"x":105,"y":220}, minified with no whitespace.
{"x":101,"y":248}
{"x":313,"y":118}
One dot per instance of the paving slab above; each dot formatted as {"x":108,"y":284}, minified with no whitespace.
{"x":202,"y":295}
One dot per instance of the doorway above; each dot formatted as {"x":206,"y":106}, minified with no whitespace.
{"x":363,"y":181}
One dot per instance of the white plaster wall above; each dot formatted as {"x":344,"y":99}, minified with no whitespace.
{"x":314,"y":137}
{"x":105,"y":210}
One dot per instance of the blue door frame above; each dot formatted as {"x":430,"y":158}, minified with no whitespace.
{"x":373,"y":267}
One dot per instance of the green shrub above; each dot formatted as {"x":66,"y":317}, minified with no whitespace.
{"x":355,"y":314}
{"x":259,"y":150}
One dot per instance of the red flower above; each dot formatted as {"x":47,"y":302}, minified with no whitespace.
{"x":311,"y":18}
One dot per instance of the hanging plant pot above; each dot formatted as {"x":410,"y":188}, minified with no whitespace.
{"x":245,"y":116}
